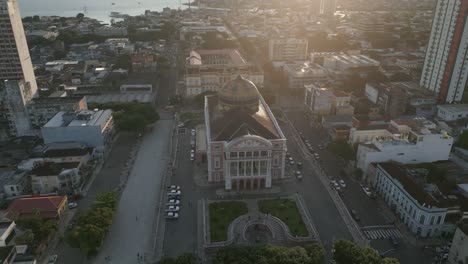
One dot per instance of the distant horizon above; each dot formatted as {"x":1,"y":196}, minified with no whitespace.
{"x":99,"y":10}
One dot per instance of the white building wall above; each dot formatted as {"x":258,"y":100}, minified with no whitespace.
{"x":88,"y":135}
{"x":433,"y":148}
{"x":372,"y":93}
{"x":458,"y":251}
{"x":421,"y":220}
{"x":362,"y":136}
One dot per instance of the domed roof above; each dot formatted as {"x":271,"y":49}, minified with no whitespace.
{"x":239,"y":90}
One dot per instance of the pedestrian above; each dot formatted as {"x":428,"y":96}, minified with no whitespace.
{"x":136,"y":218}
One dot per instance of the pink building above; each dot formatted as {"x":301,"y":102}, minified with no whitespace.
{"x":245,"y":145}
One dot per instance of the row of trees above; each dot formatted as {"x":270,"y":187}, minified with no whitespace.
{"x":37,"y":230}
{"x":130,"y":116}
{"x":347,"y":252}
{"x":92,"y":227}
{"x":309,"y":254}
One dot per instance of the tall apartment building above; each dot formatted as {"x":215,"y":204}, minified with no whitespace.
{"x":327,"y":7}
{"x":17,"y":81}
{"x":287,"y":49}
{"x":444,"y":71}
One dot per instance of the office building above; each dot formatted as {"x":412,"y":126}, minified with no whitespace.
{"x":92,"y":128}
{"x":210,"y":70}
{"x":287,"y":49}
{"x":413,"y":140}
{"x":300,"y":74}
{"x":246,"y":148}
{"x":390,"y":99}
{"x":17,"y":81}
{"x":327,"y":7}
{"x":445,"y":72}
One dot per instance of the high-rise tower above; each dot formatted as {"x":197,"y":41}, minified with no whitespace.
{"x":445,"y":70}
{"x":17,"y":81}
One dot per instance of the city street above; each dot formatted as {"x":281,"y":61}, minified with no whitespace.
{"x":130,"y":233}
{"x":371,"y":215}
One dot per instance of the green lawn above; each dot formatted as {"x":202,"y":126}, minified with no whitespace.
{"x":286,"y":210}
{"x":221,"y":215}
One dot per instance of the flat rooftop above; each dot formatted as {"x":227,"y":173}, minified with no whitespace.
{"x":306,"y":69}
{"x":355,"y":59}
{"x":122,"y":98}
{"x":454,"y":107}
{"x":216,"y":57}
{"x":82,"y":118}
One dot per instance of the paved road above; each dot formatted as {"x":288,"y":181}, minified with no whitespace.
{"x":132,"y":226}
{"x":369,"y":211}
{"x":106,"y":180}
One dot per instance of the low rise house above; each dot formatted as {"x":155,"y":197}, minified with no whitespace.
{"x":420,"y":206}
{"x":452,"y":112}
{"x":14,"y":183}
{"x":46,"y":207}
{"x":51,"y":177}
{"x":337,"y":126}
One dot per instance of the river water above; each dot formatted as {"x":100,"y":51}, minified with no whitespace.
{"x":99,"y":9}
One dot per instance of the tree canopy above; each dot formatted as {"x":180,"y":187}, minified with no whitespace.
{"x":347,"y":252}
{"x":310,"y":254}
{"x":342,"y":149}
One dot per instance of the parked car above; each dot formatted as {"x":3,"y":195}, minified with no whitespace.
{"x":394,"y":241}
{"x":366,"y":190}
{"x":320,"y":146}
{"x":173,"y":208}
{"x":173,"y":187}
{"x":174,"y":193}
{"x":316,"y":156}
{"x":192,"y":132}
{"x":72,"y":205}
{"x":192,"y":156}
{"x":172,"y":215}
{"x":299,"y":165}
{"x":52,"y":259}
{"x":342,"y":183}
{"x":173,"y":202}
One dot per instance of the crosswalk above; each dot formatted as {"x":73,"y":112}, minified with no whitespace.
{"x":382,"y":233}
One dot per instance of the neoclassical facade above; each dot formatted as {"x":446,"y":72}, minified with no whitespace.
{"x":245,"y":146}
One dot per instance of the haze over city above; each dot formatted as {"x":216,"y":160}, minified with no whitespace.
{"x":233,"y":131}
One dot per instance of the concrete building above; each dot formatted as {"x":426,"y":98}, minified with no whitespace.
{"x":144,"y":62}
{"x":444,"y":71}
{"x":210,"y":70}
{"x":458,"y":253}
{"x":300,"y":74}
{"x":45,"y":207}
{"x":246,"y":148}
{"x":14,"y":183}
{"x":342,"y":65}
{"x":390,"y":99}
{"x":17,"y":81}
{"x":421,"y":102}
{"x":136,"y":88}
{"x":415,"y":140}
{"x":108,"y":31}
{"x":365,"y":131}
{"x":406,"y":193}
{"x":49,"y":177}
{"x":327,"y":7}
{"x":367,"y":25}
{"x":318,"y":100}
{"x":7,"y":233}
{"x":92,"y":128}
{"x":341,"y":103}
{"x":42,"y":109}
{"x":452,"y":112}
{"x":287,"y":49}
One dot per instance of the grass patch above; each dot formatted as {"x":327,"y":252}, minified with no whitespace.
{"x":221,"y":215}
{"x":286,"y":210}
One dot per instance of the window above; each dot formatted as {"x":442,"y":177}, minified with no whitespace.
{"x":264,"y":153}
{"x":217,"y":161}
{"x":12,"y":188}
{"x":248,"y":154}
{"x":241,"y":154}
{"x":233,"y":154}
{"x":256,"y":154}
{"x":439,"y":218}
{"x":275,"y":161}
{"x":432,"y":220}
{"x":422,"y":218}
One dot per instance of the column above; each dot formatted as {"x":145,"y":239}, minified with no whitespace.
{"x":227,"y":178}
{"x":258,"y":183}
{"x":237,"y":184}
{"x":245,"y":184}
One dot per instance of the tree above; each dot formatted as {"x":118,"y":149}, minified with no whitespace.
{"x":124,"y":61}
{"x":315,"y":253}
{"x":108,"y":199}
{"x":88,"y":238}
{"x":390,"y":261}
{"x":27,"y":238}
{"x":342,"y":149}
{"x":462,"y":141}
{"x":347,"y":252}
{"x":80,"y":16}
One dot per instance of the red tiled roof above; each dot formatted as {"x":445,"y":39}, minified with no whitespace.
{"x":47,"y":206}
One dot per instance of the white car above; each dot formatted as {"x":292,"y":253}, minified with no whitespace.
{"x":193,"y":132}
{"x":174,"y":192}
{"x":172,"y":215}
{"x":172,"y":208}
{"x":192,"y":156}
{"x":173,"y":202}
{"x":342,"y":183}
{"x":366,"y":191}
{"x":72,"y":205}
{"x":173,"y":187}
{"x":52,"y":259}
{"x":192,"y":151}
